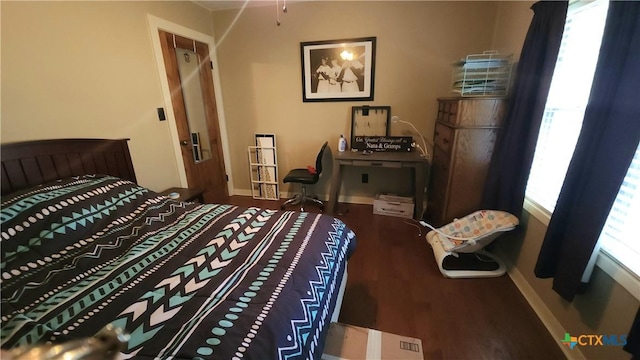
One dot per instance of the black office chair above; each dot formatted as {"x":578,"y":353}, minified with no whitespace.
{"x":305,"y":177}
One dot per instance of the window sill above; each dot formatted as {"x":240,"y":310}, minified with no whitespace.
{"x":605,"y":262}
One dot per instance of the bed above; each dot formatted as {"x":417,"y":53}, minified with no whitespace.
{"x":83,"y":246}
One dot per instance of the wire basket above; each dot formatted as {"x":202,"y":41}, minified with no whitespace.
{"x":483,"y":74}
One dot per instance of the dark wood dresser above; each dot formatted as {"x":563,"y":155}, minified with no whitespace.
{"x":465,"y":134}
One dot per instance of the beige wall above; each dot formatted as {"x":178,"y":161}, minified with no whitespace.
{"x":606,"y":308}
{"x":87,"y":69}
{"x":260,"y":72}
{"x":512,"y":22}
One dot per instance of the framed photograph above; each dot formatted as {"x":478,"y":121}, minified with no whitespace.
{"x":338,"y":70}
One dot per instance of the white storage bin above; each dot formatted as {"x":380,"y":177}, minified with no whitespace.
{"x":393,"y":205}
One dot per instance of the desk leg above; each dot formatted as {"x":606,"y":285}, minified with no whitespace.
{"x":334,"y":191}
{"x":419,"y":172}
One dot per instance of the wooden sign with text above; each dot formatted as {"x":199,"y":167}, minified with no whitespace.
{"x":383,"y":143}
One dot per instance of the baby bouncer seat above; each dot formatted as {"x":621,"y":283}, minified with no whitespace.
{"x":458,"y":246}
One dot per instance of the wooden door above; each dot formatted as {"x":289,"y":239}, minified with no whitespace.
{"x":189,"y":73}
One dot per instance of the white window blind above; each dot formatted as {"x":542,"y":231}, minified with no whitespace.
{"x":567,"y":100}
{"x":619,"y":237}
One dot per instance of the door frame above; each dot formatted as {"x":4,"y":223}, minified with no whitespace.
{"x":155,"y":24}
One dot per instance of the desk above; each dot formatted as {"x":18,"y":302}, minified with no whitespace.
{"x":380,"y":159}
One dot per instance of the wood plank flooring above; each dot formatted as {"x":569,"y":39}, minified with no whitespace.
{"x":394,"y":285}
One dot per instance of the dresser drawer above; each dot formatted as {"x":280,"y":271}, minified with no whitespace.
{"x":438,"y":188}
{"x":485,"y":112}
{"x":443,"y":137}
{"x":440,"y":168}
{"x":448,"y":111}
{"x":386,"y":164}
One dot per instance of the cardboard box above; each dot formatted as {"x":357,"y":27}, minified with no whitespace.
{"x":393,"y":205}
{"x":352,"y":342}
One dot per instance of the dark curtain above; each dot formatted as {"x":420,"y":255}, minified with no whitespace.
{"x":606,"y":145}
{"x":608,"y":140}
{"x":633,"y":338}
{"x":513,"y":155}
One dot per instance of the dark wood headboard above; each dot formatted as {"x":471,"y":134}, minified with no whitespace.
{"x":29,"y":163}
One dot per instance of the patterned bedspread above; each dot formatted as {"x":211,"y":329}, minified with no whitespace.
{"x":185,"y":280}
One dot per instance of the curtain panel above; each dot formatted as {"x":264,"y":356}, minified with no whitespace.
{"x":608,"y":140}
{"x":515,"y":147}
{"x":633,"y":338}
{"x":606,"y":145}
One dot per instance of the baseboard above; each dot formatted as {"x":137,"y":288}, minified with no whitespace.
{"x":363,"y":200}
{"x":552,"y":324}
{"x":242,"y":192}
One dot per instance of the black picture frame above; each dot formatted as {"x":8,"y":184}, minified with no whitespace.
{"x":370,"y":121}
{"x":338,"y":70}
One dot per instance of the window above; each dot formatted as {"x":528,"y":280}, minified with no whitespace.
{"x":561,"y":124}
{"x":567,"y":100}
{"x":618,"y":234}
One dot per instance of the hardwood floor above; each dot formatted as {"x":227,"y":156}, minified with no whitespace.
{"x":394,"y":285}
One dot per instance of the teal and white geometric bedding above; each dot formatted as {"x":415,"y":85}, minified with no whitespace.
{"x":187,"y":281}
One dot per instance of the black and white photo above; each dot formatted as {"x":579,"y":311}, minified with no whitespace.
{"x":338,"y":70}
